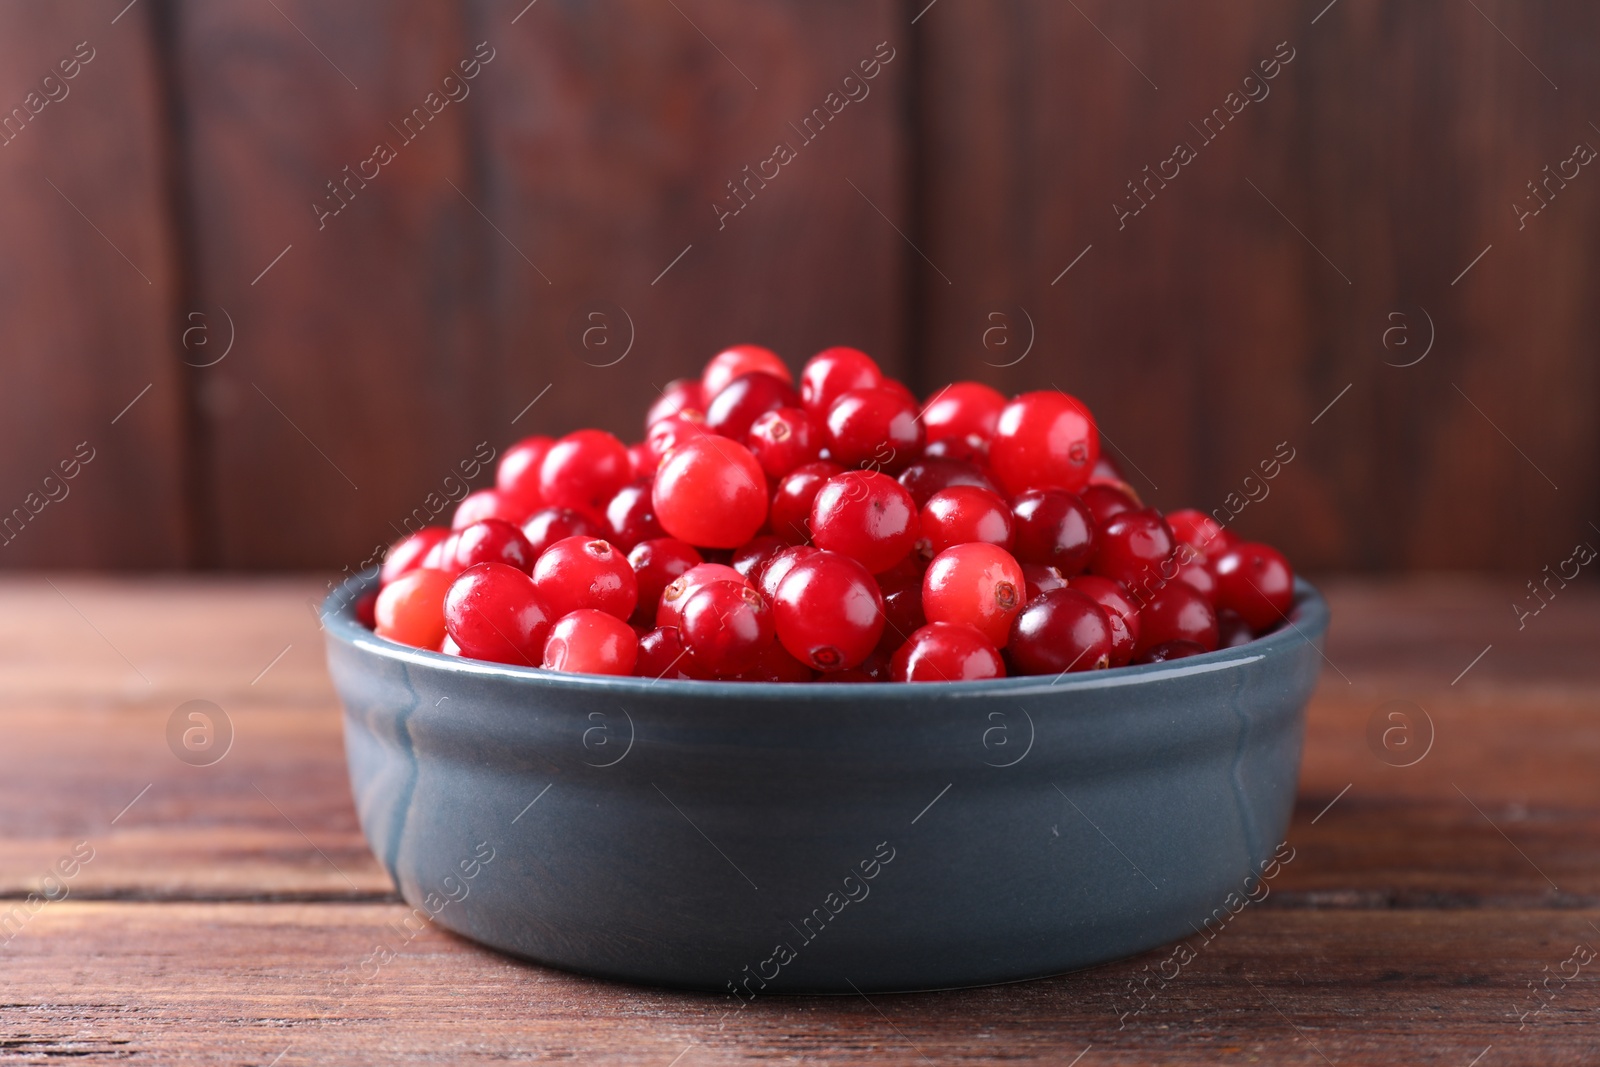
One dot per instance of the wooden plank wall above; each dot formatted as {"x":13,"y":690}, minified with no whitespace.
{"x":965,"y":209}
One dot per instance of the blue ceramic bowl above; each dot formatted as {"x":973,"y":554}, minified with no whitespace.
{"x":759,"y":839}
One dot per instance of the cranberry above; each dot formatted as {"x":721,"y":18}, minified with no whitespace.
{"x":517,"y":476}
{"x":486,"y":504}
{"x":783,"y":439}
{"x":1105,"y":502}
{"x":774,"y":664}
{"x":874,"y":428}
{"x":901,"y":588}
{"x":1194,"y":572}
{"x":734,"y":410}
{"x":1121,"y":612}
{"x":1053,"y":527}
{"x":494,"y":612}
{"x":978,"y":584}
{"x":790,"y":517}
{"x":591,"y":642}
{"x":946,"y":652}
{"x":828,"y":611}
{"x":631,"y":516}
{"x":584,"y":470}
{"x":927,"y":476}
{"x":585,"y":572}
{"x":548,"y":525}
{"x":1199,"y":531}
{"x":669,"y":611}
{"x":730,"y":363}
{"x":831,"y":373}
{"x":410,"y":609}
{"x":750,"y":557}
{"x":773,"y":571}
{"x":967,"y":449}
{"x":366,"y":610}
{"x":442,"y":556}
{"x":666,"y":434}
{"x":1169,"y":651}
{"x":964,"y":513}
{"x":643,"y":461}
{"x":1136,"y":549}
{"x":1176,"y":613}
{"x":866,"y":516}
{"x":407,"y":553}
{"x":681,"y":394}
{"x":1106,"y":468}
{"x":1255,"y":581}
{"x":727,"y":626}
{"x":662,"y":654}
{"x":962,"y":409}
{"x":711,"y":491}
{"x":1063,"y":630}
{"x":493,"y":541}
{"x":656,"y":564}
{"x":1044,"y":440}
{"x":1232,"y":630}
{"x":1040,"y":578}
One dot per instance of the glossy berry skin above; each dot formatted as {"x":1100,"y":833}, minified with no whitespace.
{"x":643,"y":461}
{"x":584,"y":470}
{"x":1136,"y":549}
{"x":442,"y":556}
{"x":1254,"y":581}
{"x":751,"y":557}
{"x":681,"y":394}
{"x":774,"y":664}
{"x":867,"y":516}
{"x":591,"y":642}
{"x":494,"y":612}
{"x":978,"y":584}
{"x":727,"y":625}
{"x":783,"y":439}
{"x":657,"y":563}
{"x":1121,"y":612}
{"x":1063,"y":630}
{"x":517,"y":476}
{"x":962,"y":409}
{"x":586,"y":572}
{"x":1176,"y":613}
{"x":485,"y":504}
{"x":669,"y":611}
{"x":1232,"y":630}
{"x":493,"y":541}
{"x":946,"y":652}
{"x":548,"y":525}
{"x":1105,"y":502}
{"x":1053,"y":528}
{"x":711,"y":492}
{"x":666,"y":434}
{"x":790,"y":516}
{"x":967,"y":449}
{"x":1171,"y":650}
{"x":874,"y":428}
{"x":773,"y":571}
{"x":831,"y":373}
{"x":733,"y":411}
{"x":1040,"y":578}
{"x":1044,"y":440}
{"x":407,"y":553}
{"x":367,"y":610}
{"x":1194,"y":572}
{"x":928,"y":475}
{"x":901,"y":588}
{"x":410,"y":609}
{"x":631,"y":517}
{"x":1200,"y":531}
{"x":730,"y":363}
{"x":662,"y":654}
{"x":963,"y":513}
{"x":828,"y":612}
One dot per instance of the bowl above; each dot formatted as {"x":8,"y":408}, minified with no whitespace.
{"x":781,"y":838}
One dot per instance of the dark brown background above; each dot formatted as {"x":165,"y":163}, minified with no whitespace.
{"x":377,"y":352}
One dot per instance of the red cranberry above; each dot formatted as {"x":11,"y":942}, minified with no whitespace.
{"x":657,"y":563}
{"x":587,"y":641}
{"x":783,"y":439}
{"x":874,"y":428}
{"x":1053,"y":527}
{"x":1177,"y":613}
{"x":631,"y":516}
{"x":964,"y":513}
{"x":831,"y":373}
{"x":493,"y":541}
{"x":407,"y":553}
{"x":734,"y":410}
{"x":1199,"y":531}
{"x":867,"y":516}
{"x":901,"y":588}
{"x":1255,"y":581}
{"x":828,"y":611}
{"x":442,"y":556}
{"x":548,"y":525}
{"x":585,"y":572}
{"x":773,"y":571}
{"x":494,"y":612}
{"x":774,"y":664}
{"x":790,"y":516}
{"x":750,"y":557}
{"x":727,"y":625}
{"x":662,"y":654}
{"x":410,"y":609}
{"x":1121,"y":612}
{"x":1044,"y":440}
{"x":967,"y":449}
{"x":1040,"y":578}
{"x":978,"y":584}
{"x":1106,"y":469}
{"x":584,"y":470}
{"x":1194,"y":572}
{"x":681,"y":394}
{"x":962,"y":409}
{"x":946,"y":652}
{"x":485,"y":504}
{"x":1136,"y":549}
{"x":730,"y":363}
{"x":517,"y":476}
{"x":366,"y":610}
{"x":1063,"y":630}
{"x":1105,"y":502}
{"x":669,"y":611}
{"x":643,"y":461}
{"x":1169,"y":651}
{"x":927,"y":476}
{"x":666,"y":434}
{"x":1232,"y":630}
{"x":712,"y":492}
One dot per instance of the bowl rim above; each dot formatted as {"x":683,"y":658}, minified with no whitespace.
{"x":1307,"y":623}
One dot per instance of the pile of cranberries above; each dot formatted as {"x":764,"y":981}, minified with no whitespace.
{"x":834,"y":530}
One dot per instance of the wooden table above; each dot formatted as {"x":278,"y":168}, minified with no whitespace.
{"x":1434,"y":912}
